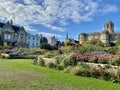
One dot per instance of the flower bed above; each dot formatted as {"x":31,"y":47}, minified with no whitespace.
{"x":96,"y":58}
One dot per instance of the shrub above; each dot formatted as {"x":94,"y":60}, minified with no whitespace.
{"x":94,"y":72}
{"x":65,"y":60}
{"x":66,"y":49}
{"x":41,"y":62}
{"x":49,"y":55}
{"x":59,"y":67}
{"x":51,"y":65}
{"x":64,"y":63}
{"x":72,"y":61}
{"x":103,"y":61}
{"x":35,"y":61}
{"x":106,"y":76}
{"x":14,"y":56}
{"x":107,"y":66}
{"x":84,"y":70}
{"x":57,"y":61}
{"x":68,"y":69}
{"x":75,"y":70}
{"x":37,"y":52}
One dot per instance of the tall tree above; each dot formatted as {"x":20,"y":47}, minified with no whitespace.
{"x":118,"y":40}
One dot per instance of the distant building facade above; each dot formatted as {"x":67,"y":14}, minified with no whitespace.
{"x":11,"y":35}
{"x":43,"y":40}
{"x":107,"y":36}
{"x":33,"y":41}
{"x":52,"y":41}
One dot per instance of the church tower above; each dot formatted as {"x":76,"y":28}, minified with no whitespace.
{"x":109,"y":26}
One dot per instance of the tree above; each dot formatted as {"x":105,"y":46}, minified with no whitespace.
{"x":45,"y":46}
{"x":93,"y":45}
{"x":68,"y":43}
{"x":118,"y":40}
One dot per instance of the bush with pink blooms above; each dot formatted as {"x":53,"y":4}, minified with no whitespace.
{"x":96,"y":58}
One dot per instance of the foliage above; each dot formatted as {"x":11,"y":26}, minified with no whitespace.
{"x":66,"y":60}
{"x":67,"y":49}
{"x":118,"y":40}
{"x":51,"y":54}
{"x":75,"y":70}
{"x":68,"y":43}
{"x":6,"y":47}
{"x":112,"y":50}
{"x":64,"y":63}
{"x":45,"y":46}
{"x":68,"y":69}
{"x":41,"y":62}
{"x":91,"y":45}
{"x":51,"y":65}
{"x":96,"y":58}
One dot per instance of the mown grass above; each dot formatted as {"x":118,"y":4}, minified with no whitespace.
{"x":21,"y":74}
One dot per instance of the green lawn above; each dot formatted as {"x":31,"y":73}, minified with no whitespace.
{"x":23,"y":75}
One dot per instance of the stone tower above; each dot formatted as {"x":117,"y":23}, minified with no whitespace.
{"x":105,"y":37}
{"x":82,"y":38}
{"x":109,"y":26}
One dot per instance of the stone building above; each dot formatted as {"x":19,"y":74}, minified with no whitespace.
{"x":107,"y":36}
{"x":52,"y":41}
{"x":11,"y":35}
{"x":43,"y":40}
{"x":33,"y":41}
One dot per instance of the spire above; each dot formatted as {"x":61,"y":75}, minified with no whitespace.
{"x":67,"y":36}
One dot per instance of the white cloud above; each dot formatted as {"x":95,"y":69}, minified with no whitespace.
{"x":50,"y":12}
{"x":108,"y":9}
{"x":50,"y":34}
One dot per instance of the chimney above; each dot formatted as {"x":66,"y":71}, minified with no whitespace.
{"x":11,"y":22}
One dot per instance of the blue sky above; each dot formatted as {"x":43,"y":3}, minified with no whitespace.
{"x":57,"y":17}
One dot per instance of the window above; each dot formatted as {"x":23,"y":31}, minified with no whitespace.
{"x":7,"y":29}
{"x":21,"y":37}
{"x":7,"y":36}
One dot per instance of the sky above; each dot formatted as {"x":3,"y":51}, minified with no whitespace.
{"x":59,"y":17}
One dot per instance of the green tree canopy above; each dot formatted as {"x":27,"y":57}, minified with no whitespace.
{"x":93,"y":45}
{"x":45,"y":46}
{"x":118,"y":40}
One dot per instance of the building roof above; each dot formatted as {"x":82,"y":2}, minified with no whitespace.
{"x":2,"y":24}
{"x":15,"y":28}
{"x":109,"y":21}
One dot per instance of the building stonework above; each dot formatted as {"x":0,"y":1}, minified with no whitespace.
{"x":107,"y":36}
{"x":11,"y":35}
{"x":52,"y":41}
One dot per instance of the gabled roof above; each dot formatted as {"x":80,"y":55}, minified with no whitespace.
{"x":2,"y":24}
{"x":15,"y":28}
